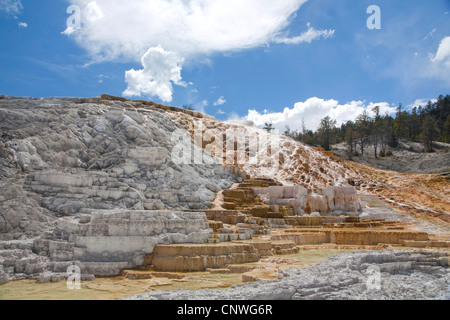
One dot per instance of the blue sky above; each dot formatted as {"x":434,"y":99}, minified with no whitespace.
{"x":266,"y":61}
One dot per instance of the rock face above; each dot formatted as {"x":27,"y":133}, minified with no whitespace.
{"x":183,"y":258}
{"x":107,"y":184}
{"x":328,"y":201}
{"x":64,"y":160}
{"x":353,"y":237}
{"x":75,"y":154}
{"x":343,"y":199}
{"x":102,"y":243}
{"x":271,"y":156}
{"x":127,"y":236}
{"x":356,"y":276}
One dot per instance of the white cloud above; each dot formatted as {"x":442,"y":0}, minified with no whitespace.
{"x":220,"y":111}
{"x":443,"y":53}
{"x":200,"y":106}
{"x":313,"y":110}
{"x":101,"y":78}
{"x":437,"y":66}
{"x":307,"y":36}
{"x":160,"y":70}
{"x":93,"y":12}
{"x":188,"y":28}
{"x":69,"y":30}
{"x":234,"y":117}
{"x":430,"y":34}
{"x":22,"y":25}
{"x":220,"y":101}
{"x":420,"y":103}
{"x":12,"y":7}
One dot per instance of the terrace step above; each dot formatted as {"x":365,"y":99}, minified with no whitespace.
{"x":200,"y":257}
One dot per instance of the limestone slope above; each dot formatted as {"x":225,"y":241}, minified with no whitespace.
{"x":264,"y":155}
{"x":403,"y":275}
{"x":425,"y":196}
{"x":64,"y":156}
{"x":87,"y":180}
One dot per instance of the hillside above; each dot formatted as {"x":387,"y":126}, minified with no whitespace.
{"x":121,"y":187}
{"x":64,"y":152}
{"x":418,"y":194}
{"x":62,"y":156}
{"x":408,"y":157}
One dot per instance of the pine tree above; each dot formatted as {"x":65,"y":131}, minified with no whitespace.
{"x":376,"y":130}
{"x":413,"y":122}
{"x":446,"y":134}
{"x":327,"y":125}
{"x":430,"y":132}
{"x":268,"y":127}
{"x":363,"y":130}
{"x":350,"y":136}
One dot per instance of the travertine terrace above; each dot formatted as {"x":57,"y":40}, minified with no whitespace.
{"x":106,"y":184}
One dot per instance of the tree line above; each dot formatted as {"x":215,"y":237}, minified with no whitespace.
{"x":421,"y":124}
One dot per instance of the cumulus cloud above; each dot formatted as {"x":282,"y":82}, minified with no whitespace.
{"x":160,"y":70}
{"x":420,"y":103}
{"x":112,"y":31}
{"x":312,"y":111}
{"x":183,"y":26}
{"x":22,"y":25}
{"x":220,"y":101}
{"x":12,"y":7}
{"x":307,"y":36}
{"x":436,"y":65}
{"x":443,"y":54}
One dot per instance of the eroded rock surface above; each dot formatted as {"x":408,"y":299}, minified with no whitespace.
{"x":66,"y":155}
{"x":403,"y":275}
{"x":63,"y":160}
{"x":327,"y":202}
{"x":99,"y":183}
{"x":100,"y":244}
